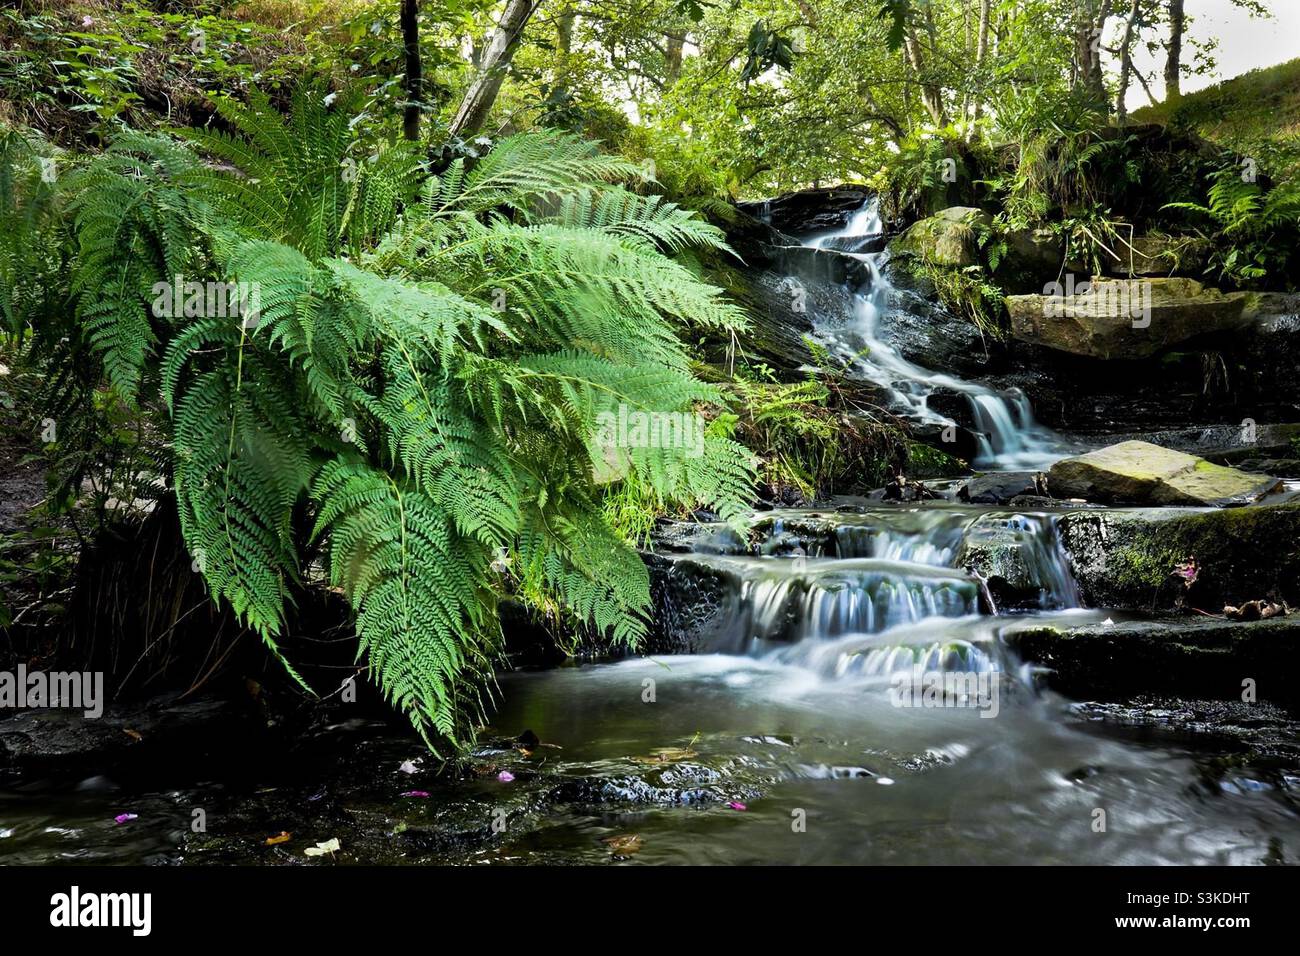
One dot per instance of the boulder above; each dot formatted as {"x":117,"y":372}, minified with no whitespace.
{"x":1140,"y":473}
{"x":947,"y":238}
{"x":1032,"y":258}
{"x":1127,"y":318}
{"x":1188,"y":657}
{"x":1130,"y":558}
{"x":998,"y":488}
{"x":1159,"y":256}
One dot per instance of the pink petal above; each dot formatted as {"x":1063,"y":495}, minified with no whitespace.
{"x":416,"y":793}
{"x":737,"y":805}
{"x":505,"y":776}
{"x":125,"y":817}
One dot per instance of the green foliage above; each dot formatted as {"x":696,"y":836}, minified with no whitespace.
{"x":812,"y":436}
{"x":970,"y":294}
{"x":428,"y":411}
{"x":1256,"y":114}
{"x":1258,"y":228}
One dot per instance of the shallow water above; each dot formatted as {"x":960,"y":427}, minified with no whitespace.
{"x":809,"y":739}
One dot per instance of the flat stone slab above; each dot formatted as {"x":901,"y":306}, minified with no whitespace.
{"x":1140,"y":473}
{"x":1183,"y":656}
{"x":1128,"y":318}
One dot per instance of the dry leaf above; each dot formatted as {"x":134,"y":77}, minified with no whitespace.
{"x":284,"y":836}
{"x":624,"y":844}
{"x":667,"y":755}
{"x":330,"y":846}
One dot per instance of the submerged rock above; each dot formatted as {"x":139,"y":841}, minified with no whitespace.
{"x":1127,"y":318}
{"x":1140,"y":473}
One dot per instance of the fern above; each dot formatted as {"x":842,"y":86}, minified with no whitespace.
{"x":425,"y":382}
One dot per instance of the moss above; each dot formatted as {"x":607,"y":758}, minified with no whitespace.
{"x":1126,"y":559}
{"x":924,"y":461}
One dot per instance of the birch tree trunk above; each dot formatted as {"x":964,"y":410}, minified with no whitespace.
{"x":482,"y":92}
{"x":1173,"y":61}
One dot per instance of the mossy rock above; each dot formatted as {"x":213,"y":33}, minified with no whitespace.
{"x":947,"y":238}
{"x":1203,"y":658}
{"x":1140,"y":473}
{"x":1127,"y":558}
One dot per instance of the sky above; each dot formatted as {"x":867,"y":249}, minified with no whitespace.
{"x":1245,"y":43}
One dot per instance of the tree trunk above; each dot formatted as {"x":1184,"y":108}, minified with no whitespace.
{"x":1089,"y":28}
{"x":673,"y":58}
{"x":482,"y":92}
{"x":931,"y":94}
{"x":1173,"y":62}
{"x":981,"y":54}
{"x":1126,"y":62}
{"x":410,"y":20}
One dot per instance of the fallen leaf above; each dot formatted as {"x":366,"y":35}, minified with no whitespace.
{"x":133,"y":734}
{"x":1189,"y":571}
{"x":667,"y":755}
{"x":330,"y":846}
{"x":284,"y":836}
{"x":408,"y":766}
{"x":625,"y":844}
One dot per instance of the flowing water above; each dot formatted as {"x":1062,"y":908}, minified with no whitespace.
{"x":853,"y":706}
{"x":1009,"y":437}
{"x":852,"y":701}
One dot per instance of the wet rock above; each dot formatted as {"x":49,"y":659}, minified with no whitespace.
{"x":1128,"y":318}
{"x":1258,"y":730}
{"x":858,"y":245}
{"x":1017,"y":559}
{"x":1185,"y":656}
{"x":958,"y":442}
{"x":948,"y":238}
{"x":809,"y":210}
{"x":55,"y":737}
{"x":999,"y":487}
{"x":691,"y":603}
{"x":1127,"y":558}
{"x":1041,"y":503}
{"x":783,"y":307}
{"x":1140,"y":473}
{"x":819,"y":265}
{"x":702,"y":537}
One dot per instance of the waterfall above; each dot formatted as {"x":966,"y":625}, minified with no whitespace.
{"x":1009,"y":437}
{"x":841,"y":594}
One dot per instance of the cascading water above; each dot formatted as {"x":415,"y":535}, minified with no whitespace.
{"x":880,"y":574}
{"x":1009,"y":437}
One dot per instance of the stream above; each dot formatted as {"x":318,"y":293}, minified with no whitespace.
{"x":856,"y":703}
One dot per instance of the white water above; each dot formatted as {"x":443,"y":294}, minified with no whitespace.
{"x":893,"y":577}
{"x":1010,"y":439}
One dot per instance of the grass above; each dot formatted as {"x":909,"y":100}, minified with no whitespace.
{"x":1256,"y":114}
